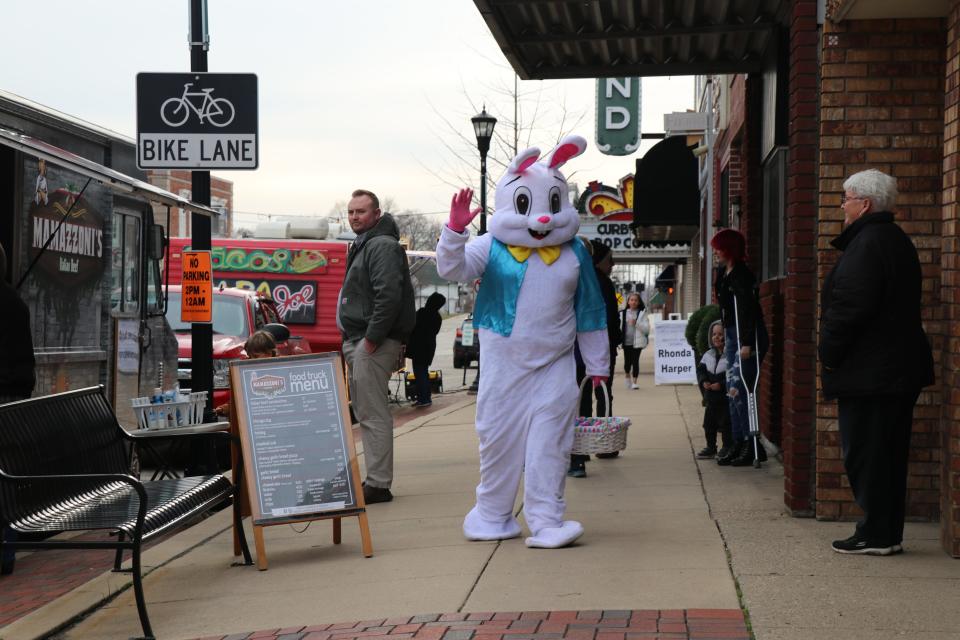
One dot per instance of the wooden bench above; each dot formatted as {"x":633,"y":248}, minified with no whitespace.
{"x":65,"y":466}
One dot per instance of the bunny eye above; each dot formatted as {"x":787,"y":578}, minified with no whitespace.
{"x":555,"y":200}
{"x":521,"y":200}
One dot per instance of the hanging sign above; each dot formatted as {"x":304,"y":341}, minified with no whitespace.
{"x":618,"y":115}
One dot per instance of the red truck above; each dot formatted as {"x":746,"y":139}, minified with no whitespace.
{"x":237,"y":313}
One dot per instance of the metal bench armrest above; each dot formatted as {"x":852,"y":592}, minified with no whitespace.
{"x":106,"y":477}
{"x":176,"y":432}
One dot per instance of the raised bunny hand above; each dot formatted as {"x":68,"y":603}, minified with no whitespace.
{"x":460,"y":213}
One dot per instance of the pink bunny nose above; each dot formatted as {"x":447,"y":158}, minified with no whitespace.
{"x":543,"y":219}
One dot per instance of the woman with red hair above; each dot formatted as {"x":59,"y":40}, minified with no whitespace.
{"x":736,"y":293}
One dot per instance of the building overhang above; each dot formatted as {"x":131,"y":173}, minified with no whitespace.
{"x":113,"y":180}
{"x":839,"y":10}
{"x":552,"y":39}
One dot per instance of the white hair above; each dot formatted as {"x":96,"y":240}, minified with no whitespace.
{"x":875,"y":186}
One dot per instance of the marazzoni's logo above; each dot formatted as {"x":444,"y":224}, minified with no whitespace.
{"x":268,"y":385}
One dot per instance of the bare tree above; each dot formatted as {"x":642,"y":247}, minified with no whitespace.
{"x":529,"y":113}
{"x":421,"y":231}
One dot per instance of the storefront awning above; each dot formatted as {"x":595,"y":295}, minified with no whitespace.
{"x":110,"y":178}
{"x":551,"y":39}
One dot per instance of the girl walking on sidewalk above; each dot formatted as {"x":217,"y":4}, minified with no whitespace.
{"x":635,"y":329}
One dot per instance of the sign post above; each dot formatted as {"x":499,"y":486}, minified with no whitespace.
{"x":618,"y":115}
{"x":196,"y":301}
{"x":299,"y":460}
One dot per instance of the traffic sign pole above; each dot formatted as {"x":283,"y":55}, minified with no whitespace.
{"x":202,"y":334}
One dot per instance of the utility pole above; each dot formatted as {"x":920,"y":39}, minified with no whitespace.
{"x":202,"y":334}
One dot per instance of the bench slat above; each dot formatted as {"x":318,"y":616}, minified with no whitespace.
{"x":114,"y":506}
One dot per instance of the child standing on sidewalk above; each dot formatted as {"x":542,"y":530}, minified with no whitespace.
{"x":712,"y":376}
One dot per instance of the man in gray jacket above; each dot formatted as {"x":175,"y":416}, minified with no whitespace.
{"x":375,"y":315}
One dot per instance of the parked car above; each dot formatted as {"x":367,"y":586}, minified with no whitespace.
{"x":237,"y":313}
{"x":463,"y":355}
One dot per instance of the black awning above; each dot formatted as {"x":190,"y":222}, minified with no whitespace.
{"x":551,"y":39}
{"x":667,"y":278}
{"x":666,"y":193}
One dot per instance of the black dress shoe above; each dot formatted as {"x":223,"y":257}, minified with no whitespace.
{"x":373,"y":495}
{"x":745,"y":457}
{"x":610,"y":454}
{"x":732,"y":454}
{"x":706,"y":453}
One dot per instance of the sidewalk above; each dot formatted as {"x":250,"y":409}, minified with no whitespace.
{"x":668,"y":541}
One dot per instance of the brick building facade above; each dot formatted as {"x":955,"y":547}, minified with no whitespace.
{"x":815,"y":91}
{"x":178,"y":181}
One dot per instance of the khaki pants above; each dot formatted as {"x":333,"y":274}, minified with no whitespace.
{"x":369,"y":391}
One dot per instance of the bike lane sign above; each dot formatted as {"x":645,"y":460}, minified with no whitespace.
{"x":197,"y":121}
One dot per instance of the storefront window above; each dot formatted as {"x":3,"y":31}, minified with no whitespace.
{"x":774,"y":214}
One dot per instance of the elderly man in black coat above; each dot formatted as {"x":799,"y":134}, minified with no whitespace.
{"x":875,"y":357}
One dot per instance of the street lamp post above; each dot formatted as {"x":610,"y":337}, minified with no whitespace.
{"x":483,"y":124}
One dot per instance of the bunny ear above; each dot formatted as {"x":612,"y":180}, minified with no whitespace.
{"x":569,"y":147}
{"x":523,"y":160}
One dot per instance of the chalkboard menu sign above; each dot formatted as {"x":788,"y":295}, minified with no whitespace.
{"x":295,"y":430}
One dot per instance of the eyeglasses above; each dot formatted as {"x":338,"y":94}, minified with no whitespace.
{"x":844,"y":199}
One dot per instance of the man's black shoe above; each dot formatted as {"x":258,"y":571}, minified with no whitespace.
{"x":609,"y":454}
{"x":724,"y":451}
{"x":373,"y":495}
{"x":861,"y":546}
{"x":707,"y":452}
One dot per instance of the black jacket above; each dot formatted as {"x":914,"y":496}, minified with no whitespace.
{"x":739,"y":284}
{"x":422,"y":344}
{"x":712,"y":368}
{"x":871,"y":338}
{"x":609,"y":293}
{"x":376,"y":302}
{"x":17,"y":377}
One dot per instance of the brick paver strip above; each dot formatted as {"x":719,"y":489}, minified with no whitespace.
{"x":664,"y":624}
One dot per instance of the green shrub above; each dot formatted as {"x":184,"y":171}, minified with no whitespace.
{"x":700,"y":319}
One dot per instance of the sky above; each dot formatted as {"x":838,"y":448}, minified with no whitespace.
{"x":373,"y":94}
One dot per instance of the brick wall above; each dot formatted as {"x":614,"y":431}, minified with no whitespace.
{"x":799,"y":352}
{"x":179,"y":181}
{"x":882,"y":106}
{"x":950,"y":295}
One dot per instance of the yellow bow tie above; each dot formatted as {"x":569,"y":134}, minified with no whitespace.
{"x":549,"y":255}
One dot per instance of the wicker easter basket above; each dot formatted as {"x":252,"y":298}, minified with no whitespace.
{"x":604,"y":434}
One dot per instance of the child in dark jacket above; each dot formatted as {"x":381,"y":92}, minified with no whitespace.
{"x":712,"y":378}
{"x":422,"y":345}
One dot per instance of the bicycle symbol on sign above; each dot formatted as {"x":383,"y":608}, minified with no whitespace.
{"x":218,"y":111}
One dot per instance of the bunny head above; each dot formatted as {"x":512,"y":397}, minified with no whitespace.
{"x":532,"y":208}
